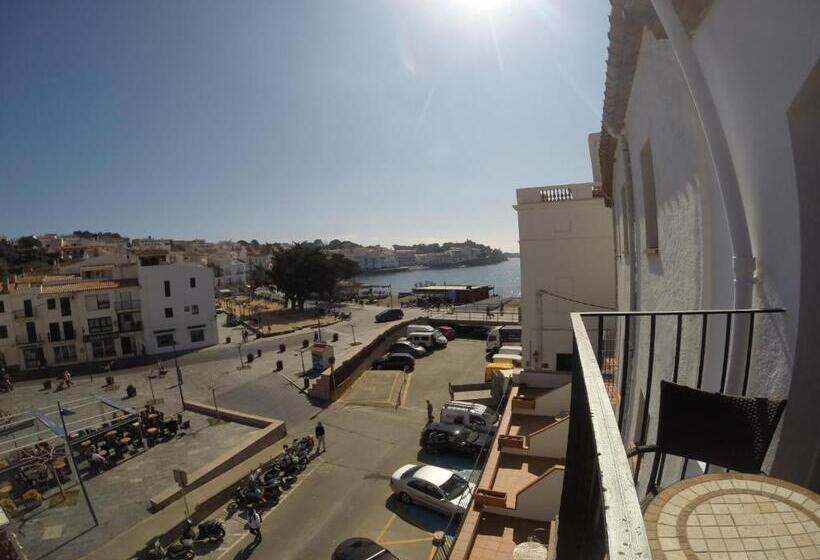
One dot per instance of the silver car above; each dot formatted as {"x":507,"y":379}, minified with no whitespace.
{"x":433,"y":488}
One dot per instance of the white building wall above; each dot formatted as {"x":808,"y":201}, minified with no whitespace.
{"x":567,"y":250}
{"x":755,"y":56}
{"x":182,"y":300}
{"x":7,"y":347}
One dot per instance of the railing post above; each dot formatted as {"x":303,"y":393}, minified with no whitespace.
{"x":624,"y":374}
{"x":648,"y":394}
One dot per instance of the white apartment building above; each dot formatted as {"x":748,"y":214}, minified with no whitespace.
{"x":230,"y":272}
{"x":370,"y":258}
{"x":178,"y":307}
{"x":709,"y":157}
{"x":405,"y":257}
{"x":567,"y":264}
{"x":98,"y":314}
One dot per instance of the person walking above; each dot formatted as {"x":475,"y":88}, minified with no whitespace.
{"x":255,"y":525}
{"x":429,"y":412}
{"x":67,"y":378}
{"x":320,"y":438}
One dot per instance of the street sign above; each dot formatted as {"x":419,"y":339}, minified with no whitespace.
{"x":181,"y":478}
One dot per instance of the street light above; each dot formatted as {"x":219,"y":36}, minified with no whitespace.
{"x":179,"y":373}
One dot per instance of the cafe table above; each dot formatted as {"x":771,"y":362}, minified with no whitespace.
{"x":734,"y":516}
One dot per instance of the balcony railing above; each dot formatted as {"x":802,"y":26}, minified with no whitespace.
{"x":130,"y":327}
{"x":23,"y":314}
{"x":23,"y":340}
{"x":600,"y":514}
{"x":132,"y":305}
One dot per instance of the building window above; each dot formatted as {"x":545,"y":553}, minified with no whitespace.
{"x":68,"y":330}
{"x":100,"y":325}
{"x":197,"y":335}
{"x":194,"y":310}
{"x":169,"y":312}
{"x":186,"y":309}
{"x":65,"y":354}
{"x":65,"y":306}
{"x":54,"y":332}
{"x":103,"y":348}
{"x":4,"y":331}
{"x":164,"y":340}
{"x":167,"y":285}
{"x":2,"y":306}
{"x":650,"y":206}
{"x":97,"y":301}
{"x":51,"y":303}
{"x":193,"y":282}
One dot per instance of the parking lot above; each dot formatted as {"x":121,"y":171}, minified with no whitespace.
{"x":345,"y":491}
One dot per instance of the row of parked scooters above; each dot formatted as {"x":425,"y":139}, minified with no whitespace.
{"x":261,"y":490}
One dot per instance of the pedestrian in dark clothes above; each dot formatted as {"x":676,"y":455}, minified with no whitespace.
{"x":320,"y":438}
{"x":255,"y":525}
{"x":429,"y":412}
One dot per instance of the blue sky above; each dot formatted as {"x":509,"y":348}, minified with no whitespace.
{"x":386,"y":121}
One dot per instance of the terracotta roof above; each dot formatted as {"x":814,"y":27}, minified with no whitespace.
{"x":625,"y":33}
{"x":89,"y":286}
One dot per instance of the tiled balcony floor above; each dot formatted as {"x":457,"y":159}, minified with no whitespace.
{"x":497,"y":536}
{"x":524,"y":425}
{"x":515,"y":472}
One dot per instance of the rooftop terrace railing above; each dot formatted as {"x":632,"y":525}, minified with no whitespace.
{"x":600,"y":514}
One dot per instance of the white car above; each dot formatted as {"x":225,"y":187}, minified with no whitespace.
{"x":432,"y":487}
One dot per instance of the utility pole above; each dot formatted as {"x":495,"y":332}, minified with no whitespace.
{"x":70,"y":454}
{"x":353,"y":328}
{"x":179,"y":375}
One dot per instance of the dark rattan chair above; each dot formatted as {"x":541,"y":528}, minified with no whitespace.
{"x":725,"y":430}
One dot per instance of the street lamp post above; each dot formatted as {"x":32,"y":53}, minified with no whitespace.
{"x":353,"y":328}
{"x":179,"y":374}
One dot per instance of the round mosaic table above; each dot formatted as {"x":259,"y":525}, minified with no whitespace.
{"x":734,"y":516}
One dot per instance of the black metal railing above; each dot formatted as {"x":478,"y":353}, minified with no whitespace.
{"x":707,"y":349}
{"x":129,"y":305}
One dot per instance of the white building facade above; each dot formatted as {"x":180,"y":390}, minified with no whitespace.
{"x":709,"y":157}
{"x":567,"y":264}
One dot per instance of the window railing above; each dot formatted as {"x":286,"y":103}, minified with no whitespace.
{"x":129,"y":305}
{"x":25,"y":314}
{"x":713,"y":350}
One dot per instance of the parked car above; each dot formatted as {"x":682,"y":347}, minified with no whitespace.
{"x":429,"y":340}
{"x":432,"y":487}
{"x":407,"y":347}
{"x":389,"y":315}
{"x":477,"y":416}
{"x":453,"y":437}
{"x":404,"y":362}
{"x":359,"y":548}
{"x":448,"y":332}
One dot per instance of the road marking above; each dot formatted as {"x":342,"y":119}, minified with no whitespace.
{"x":406,"y":389}
{"x":386,"y":527}
{"x":405,"y":541}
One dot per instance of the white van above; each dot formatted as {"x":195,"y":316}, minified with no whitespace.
{"x":429,"y":340}
{"x":511,"y":349}
{"x":420,"y":328}
{"x":515,"y":359}
{"x":476,"y":416}
{"x":501,"y":336}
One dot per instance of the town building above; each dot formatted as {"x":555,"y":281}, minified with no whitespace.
{"x":369,"y":258}
{"x":454,"y":294}
{"x":101,"y":311}
{"x":567,"y":264}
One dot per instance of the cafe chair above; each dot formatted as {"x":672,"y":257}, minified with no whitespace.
{"x":725,"y":430}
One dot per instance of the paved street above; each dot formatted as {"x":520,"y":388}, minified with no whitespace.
{"x":345,"y":491}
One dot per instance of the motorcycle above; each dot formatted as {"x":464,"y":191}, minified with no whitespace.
{"x":274,"y":478}
{"x":210,"y":530}
{"x":172,"y":552}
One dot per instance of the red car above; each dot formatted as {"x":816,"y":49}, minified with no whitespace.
{"x":448,"y":332}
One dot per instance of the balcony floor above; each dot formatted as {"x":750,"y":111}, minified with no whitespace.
{"x":524,"y":425}
{"x":497,"y":536}
{"x":515,"y":472}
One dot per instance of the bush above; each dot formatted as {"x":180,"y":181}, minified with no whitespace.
{"x":131,"y":391}
{"x":8,"y":505}
{"x":32,"y":496}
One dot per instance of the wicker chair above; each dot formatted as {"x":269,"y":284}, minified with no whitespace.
{"x":725,"y":430}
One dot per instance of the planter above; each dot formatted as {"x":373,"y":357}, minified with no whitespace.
{"x":47,"y":384}
{"x":258,"y":352}
{"x":279,"y":365}
{"x":249,"y":357}
{"x":282,"y":348}
{"x":484,"y":497}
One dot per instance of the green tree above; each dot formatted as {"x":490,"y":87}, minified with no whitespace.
{"x":304,"y":269}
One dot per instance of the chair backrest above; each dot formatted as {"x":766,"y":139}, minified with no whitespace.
{"x":725,"y":430}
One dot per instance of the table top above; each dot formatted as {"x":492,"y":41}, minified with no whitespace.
{"x":125,"y":440}
{"x":152,"y":430}
{"x":85,"y":443}
{"x":734,"y":515}
{"x":6,"y":487}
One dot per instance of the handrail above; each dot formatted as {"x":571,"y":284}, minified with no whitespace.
{"x":669,"y":313}
{"x":597,"y":465}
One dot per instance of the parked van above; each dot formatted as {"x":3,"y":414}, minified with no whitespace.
{"x":514,"y":358}
{"x":511,"y":349}
{"x":420,"y":328}
{"x":496,"y":367}
{"x":429,"y":340}
{"x":500,"y":336}
{"x":476,"y":416}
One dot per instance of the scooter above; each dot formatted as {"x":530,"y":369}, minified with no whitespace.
{"x":172,"y":552}
{"x":210,"y":530}
{"x":6,"y":386}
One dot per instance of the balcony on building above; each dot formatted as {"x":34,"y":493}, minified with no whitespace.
{"x":562,"y":476}
{"x":25,"y":314}
{"x":127,"y":305}
{"x":24,"y":341}
{"x":130,"y":326}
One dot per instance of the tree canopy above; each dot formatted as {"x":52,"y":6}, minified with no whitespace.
{"x":304,"y":269}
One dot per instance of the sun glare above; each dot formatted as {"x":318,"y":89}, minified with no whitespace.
{"x":483,"y":7}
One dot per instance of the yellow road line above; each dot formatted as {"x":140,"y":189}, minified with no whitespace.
{"x":406,"y":389}
{"x":405,"y":541}
{"x":386,"y":527}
